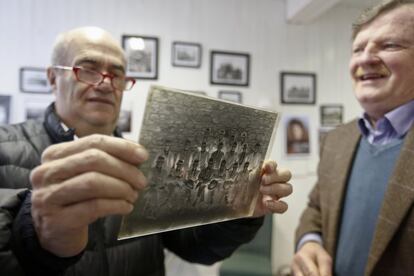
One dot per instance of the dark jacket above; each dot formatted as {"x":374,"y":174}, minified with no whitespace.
{"x":21,"y":147}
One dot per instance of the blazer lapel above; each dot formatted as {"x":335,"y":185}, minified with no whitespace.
{"x":398,"y":199}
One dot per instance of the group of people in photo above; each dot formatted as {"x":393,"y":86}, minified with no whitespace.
{"x":210,"y":174}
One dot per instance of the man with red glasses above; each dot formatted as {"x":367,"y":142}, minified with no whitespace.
{"x":78,"y":177}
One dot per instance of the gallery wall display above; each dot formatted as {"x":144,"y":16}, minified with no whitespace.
{"x":141,"y":55}
{"x":297,"y":88}
{"x":186,"y":54}
{"x":229,"y":68}
{"x":4,"y":109}
{"x":331,"y":115}
{"x":297,"y":142}
{"x":233,"y":96}
{"x":34,"y":80}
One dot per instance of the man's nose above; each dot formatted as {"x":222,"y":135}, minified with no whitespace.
{"x":106,"y":83}
{"x":369,"y":55}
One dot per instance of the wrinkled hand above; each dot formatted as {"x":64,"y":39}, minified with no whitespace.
{"x":313,"y":260}
{"x":273,"y":186}
{"x":79,"y":182}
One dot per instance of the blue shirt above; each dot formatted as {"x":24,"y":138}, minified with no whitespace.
{"x":394,"y":125}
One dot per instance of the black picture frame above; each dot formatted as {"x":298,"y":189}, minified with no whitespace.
{"x":34,"y":80}
{"x":298,"y":88}
{"x":232,"y":96}
{"x":141,"y":55}
{"x":186,"y":54}
{"x":229,"y":68}
{"x":331,"y":115}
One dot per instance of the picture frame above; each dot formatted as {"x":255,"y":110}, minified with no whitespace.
{"x":331,"y":115}
{"x":34,"y":80}
{"x":5,"y":109}
{"x":229,"y":68}
{"x":297,"y":135}
{"x":186,"y":54}
{"x":232,"y":96}
{"x":298,"y":88}
{"x":141,"y":55}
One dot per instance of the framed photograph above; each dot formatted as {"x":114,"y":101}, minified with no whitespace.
{"x":233,"y":96}
{"x":142,"y":56}
{"x":4,"y":109}
{"x":298,"y":88}
{"x":185,"y":54}
{"x":331,"y":115}
{"x":34,"y":80}
{"x":227,"y":68}
{"x":297,"y":142}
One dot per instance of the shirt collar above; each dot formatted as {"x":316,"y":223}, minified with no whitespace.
{"x":399,"y":120}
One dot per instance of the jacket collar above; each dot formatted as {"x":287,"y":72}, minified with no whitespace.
{"x":57,"y":133}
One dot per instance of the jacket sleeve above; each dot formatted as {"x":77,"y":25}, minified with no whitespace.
{"x":33,"y":259}
{"x":9,"y":204}
{"x":213,"y":242}
{"x":311,"y":219}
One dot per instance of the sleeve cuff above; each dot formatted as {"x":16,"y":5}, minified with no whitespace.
{"x":32,"y":257}
{"x":313,"y":236}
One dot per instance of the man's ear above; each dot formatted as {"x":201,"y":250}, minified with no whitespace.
{"x":51,"y":76}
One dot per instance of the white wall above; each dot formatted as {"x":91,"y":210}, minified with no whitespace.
{"x":28,"y":29}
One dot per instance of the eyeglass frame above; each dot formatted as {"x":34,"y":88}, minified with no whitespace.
{"x":75,"y":70}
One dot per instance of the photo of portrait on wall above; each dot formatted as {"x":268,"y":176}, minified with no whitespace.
{"x":204,"y":164}
{"x":296,"y":135}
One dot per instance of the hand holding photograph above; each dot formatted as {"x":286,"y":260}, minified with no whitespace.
{"x":205,"y":161}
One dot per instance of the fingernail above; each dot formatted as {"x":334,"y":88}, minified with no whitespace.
{"x":141,"y":153}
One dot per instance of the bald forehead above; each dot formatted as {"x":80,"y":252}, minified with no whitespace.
{"x":88,"y":44}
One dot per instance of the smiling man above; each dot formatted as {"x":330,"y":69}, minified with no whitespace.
{"x":66,"y":181}
{"x":360,"y":216}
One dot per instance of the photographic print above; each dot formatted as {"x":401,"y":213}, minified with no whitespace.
{"x":297,"y":136}
{"x":205,"y":158}
{"x":228,"y":68}
{"x":4,"y":109}
{"x":34,"y":80}
{"x":331,"y":115}
{"x":185,"y":54}
{"x":233,"y":96}
{"x":298,"y":88}
{"x":142,"y":56}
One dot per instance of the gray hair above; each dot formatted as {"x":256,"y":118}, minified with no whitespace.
{"x":370,"y":14}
